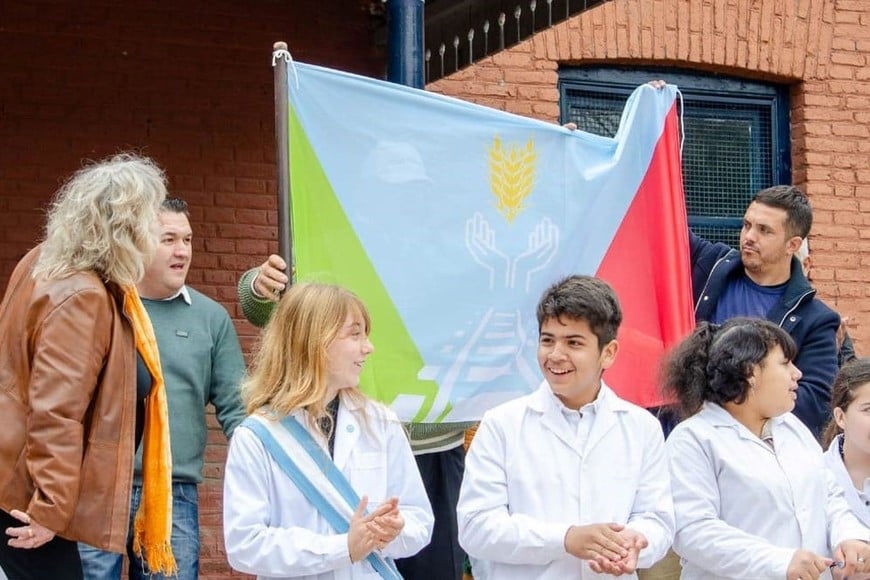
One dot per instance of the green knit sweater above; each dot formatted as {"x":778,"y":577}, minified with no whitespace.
{"x":202,"y":363}
{"x":425,"y":437}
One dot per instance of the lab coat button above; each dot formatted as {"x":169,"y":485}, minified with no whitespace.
{"x":350,"y":428}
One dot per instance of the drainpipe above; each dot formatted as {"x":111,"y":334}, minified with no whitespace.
{"x":405,"y":42}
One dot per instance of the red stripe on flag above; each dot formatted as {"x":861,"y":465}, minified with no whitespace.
{"x":648,"y":266}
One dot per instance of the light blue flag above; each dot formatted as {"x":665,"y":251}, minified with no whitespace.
{"x":449,"y":220}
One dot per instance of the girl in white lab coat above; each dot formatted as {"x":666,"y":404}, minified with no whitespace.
{"x":752,"y":498}
{"x":847,"y":436}
{"x":307,"y":373}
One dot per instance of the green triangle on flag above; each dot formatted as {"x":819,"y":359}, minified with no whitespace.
{"x":327,"y":249}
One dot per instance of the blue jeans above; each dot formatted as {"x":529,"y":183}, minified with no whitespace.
{"x":101,"y":565}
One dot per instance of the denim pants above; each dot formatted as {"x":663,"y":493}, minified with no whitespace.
{"x":102,"y":565}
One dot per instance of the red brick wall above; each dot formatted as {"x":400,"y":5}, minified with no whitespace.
{"x":186,"y":82}
{"x":818,"y":47}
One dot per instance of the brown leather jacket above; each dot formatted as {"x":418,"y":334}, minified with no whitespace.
{"x":67,"y":403}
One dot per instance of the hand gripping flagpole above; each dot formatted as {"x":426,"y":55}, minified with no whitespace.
{"x":280,"y":62}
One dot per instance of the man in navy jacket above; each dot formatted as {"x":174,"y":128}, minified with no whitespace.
{"x":764,"y":279}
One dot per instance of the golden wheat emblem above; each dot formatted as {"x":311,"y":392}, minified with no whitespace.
{"x":511,"y":176}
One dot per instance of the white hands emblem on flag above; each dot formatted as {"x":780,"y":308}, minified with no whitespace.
{"x":503,"y":270}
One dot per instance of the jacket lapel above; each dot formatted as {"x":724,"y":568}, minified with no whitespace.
{"x":605,"y":420}
{"x":542,"y":401}
{"x":720,"y":417}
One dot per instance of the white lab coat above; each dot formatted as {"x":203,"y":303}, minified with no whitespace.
{"x":835,"y":463}
{"x":271,"y":530}
{"x":526,"y":482}
{"x":742,"y":508}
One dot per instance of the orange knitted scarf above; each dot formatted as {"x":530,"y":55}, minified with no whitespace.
{"x":152,"y":527}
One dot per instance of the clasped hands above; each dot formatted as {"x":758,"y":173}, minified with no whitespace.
{"x":373,"y":531}
{"x":608,"y":548}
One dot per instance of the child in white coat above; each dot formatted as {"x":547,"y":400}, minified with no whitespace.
{"x":847,"y":436}
{"x":570,"y":481}
{"x":347,"y":454}
{"x":752,"y":496}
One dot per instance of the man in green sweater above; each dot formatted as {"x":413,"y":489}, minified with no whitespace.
{"x":437,"y":447}
{"x":202,"y":363}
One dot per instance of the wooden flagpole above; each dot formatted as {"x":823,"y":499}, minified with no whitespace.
{"x":280,"y":61}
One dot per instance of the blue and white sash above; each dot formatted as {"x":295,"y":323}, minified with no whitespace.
{"x":317,"y":477}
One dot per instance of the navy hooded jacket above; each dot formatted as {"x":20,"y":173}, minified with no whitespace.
{"x":811,"y":324}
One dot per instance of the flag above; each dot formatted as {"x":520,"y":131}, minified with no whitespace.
{"x":450,"y":219}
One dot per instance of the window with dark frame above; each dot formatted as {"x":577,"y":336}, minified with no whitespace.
{"x":736,"y":135}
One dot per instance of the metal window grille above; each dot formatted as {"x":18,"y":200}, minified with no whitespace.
{"x":736,"y":136}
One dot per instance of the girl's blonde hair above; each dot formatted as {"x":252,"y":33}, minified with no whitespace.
{"x":290,"y":367}
{"x":103,"y":219}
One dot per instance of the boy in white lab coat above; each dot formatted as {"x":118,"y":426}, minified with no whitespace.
{"x":570,"y":481}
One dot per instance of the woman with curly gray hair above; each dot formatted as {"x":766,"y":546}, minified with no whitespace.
{"x":69,"y":333}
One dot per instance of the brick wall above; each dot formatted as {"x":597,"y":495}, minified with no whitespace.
{"x":820,"y":48}
{"x":186,"y":82}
